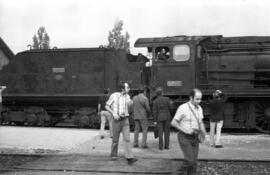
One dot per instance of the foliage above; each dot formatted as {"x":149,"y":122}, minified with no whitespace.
{"x":116,"y":39}
{"x":41,"y":40}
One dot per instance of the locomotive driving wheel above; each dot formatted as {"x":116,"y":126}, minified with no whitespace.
{"x":262,"y":116}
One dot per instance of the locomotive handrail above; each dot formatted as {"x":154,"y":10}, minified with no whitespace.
{"x":236,"y":70}
{"x":239,"y":49}
{"x":242,"y":93}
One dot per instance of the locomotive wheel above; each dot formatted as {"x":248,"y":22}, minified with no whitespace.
{"x":262,"y":117}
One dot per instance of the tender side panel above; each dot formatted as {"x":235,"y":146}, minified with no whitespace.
{"x":87,"y":72}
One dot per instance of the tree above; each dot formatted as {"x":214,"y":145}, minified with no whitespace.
{"x":116,"y":39}
{"x":41,"y":40}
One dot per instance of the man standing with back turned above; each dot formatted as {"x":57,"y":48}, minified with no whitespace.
{"x":141,"y":110}
{"x":187,"y":120}
{"x":118,"y":105}
{"x":162,"y":117}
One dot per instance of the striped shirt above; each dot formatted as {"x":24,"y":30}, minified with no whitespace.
{"x":119,"y":103}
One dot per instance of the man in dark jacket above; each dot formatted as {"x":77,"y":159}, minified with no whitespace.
{"x":217,"y":116}
{"x":141,"y":110}
{"x":162,"y":117}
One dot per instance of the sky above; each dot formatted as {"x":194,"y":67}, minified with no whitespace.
{"x":86,"y":23}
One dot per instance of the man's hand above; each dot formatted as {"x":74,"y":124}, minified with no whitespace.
{"x":116,"y":116}
{"x":155,"y":123}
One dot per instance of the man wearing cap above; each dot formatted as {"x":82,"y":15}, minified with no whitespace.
{"x":162,"y":118}
{"x":217,"y":115}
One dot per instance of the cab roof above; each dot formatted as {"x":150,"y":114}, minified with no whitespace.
{"x":149,"y":42}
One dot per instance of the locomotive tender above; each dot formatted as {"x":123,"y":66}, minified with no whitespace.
{"x":46,"y":86}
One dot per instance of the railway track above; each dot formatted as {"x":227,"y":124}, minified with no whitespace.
{"x":14,"y":164}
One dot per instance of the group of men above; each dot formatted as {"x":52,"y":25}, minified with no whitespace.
{"x":116,"y":109}
{"x":187,"y":120}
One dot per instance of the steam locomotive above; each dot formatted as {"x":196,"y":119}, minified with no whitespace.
{"x":47,"y":87}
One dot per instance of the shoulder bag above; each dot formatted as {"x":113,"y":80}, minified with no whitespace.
{"x":201,"y":135}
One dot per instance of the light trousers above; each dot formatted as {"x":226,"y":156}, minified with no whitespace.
{"x":215,"y":126}
{"x":105,"y":116}
{"x":140,"y":123}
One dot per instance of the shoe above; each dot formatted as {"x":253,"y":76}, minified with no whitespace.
{"x":132,"y":160}
{"x":114,"y":158}
{"x":101,"y":137}
{"x":160,"y":149}
{"x":136,"y":146}
{"x":166,"y":147}
{"x":219,"y":146}
{"x":212,"y":145}
{"x":145,"y":146}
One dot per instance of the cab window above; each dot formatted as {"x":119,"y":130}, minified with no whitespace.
{"x":181,"y":53}
{"x":162,"y":53}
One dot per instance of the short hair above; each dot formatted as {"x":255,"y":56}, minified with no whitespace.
{"x":193,"y":92}
{"x":140,"y":89}
{"x":159,"y":90}
{"x":106,"y":91}
{"x":217,"y":93}
{"x":122,"y":85}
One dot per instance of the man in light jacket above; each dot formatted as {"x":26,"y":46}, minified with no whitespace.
{"x":141,"y":110}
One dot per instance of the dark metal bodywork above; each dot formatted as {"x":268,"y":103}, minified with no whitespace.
{"x":65,"y":80}
{"x":239,"y":66}
{"x":69,"y":81}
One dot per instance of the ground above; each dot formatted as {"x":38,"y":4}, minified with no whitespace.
{"x":73,"y":151}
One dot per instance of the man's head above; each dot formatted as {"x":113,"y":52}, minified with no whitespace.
{"x":163,"y":50}
{"x":195,"y":96}
{"x":217,"y":93}
{"x":124,"y":87}
{"x":106,"y":91}
{"x":159,"y":91}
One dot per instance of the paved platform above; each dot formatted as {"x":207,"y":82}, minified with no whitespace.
{"x":236,"y":147}
{"x":59,"y":141}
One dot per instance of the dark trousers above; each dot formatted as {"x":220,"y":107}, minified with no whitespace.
{"x":164,"y":127}
{"x":1,"y":117}
{"x":189,"y":145}
{"x":140,"y":123}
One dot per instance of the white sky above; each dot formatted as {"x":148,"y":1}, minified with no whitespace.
{"x":86,"y":23}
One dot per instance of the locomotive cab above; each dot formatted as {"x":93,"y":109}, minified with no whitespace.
{"x":172,"y":64}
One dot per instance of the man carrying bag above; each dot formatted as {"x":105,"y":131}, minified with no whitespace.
{"x":188,"y":121}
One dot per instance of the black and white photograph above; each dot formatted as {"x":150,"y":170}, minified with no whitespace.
{"x":134,"y":87}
